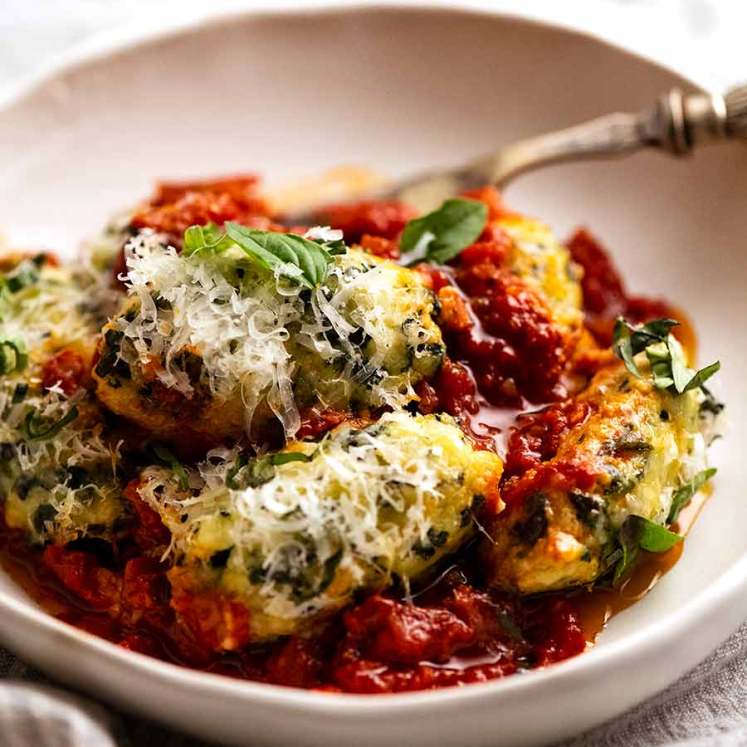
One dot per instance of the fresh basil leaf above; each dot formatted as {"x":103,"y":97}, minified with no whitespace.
{"x":13,"y":356}
{"x":656,"y":538}
{"x":628,"y":540}
{"x":305,"y":260}
{"x":335,"y":247}
{"x":236,"y":467}
{"x":37,"y":428}
{"x":293,"y":256}
{"x":685,"y":494}
{"x":668,"y":367}
{"x":207,"y":238}
{"x":659,"y":357}
{"x":658,"y":329}
{"x":681,"y":374}
{"x":702,"y":376}
{"x":638,"y":533}
{"x":439,"y":236}
{"x":165,"y":456}
{"x":284,"y":457}
{"x":250,"y":472}
{"x":623,"y":346}
{"x":641,"y":336}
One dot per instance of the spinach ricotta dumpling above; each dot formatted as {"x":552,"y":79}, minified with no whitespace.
{"x":216,"y":344}
{"x":293,"y":535}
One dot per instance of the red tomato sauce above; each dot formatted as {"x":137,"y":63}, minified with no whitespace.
{"x":503,"y":381}
{"x":66,"y":370}
{"x":453,"y":633}
{"x":606,"y":298}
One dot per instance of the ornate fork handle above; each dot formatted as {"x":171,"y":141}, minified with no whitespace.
{"x":677,"y":123}
{"x":610,"y":135}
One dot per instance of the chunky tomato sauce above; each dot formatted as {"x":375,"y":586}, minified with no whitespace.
{"x":451,"y":633}
{"x":503,"y":381}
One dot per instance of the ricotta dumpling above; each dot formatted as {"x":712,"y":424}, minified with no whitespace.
{"x":545,"y":266}
{"x":293,"y":535}
{"x":46,"y":308}
{"x":214,"y":345}
{"x":57,"y":463}
{"x":524,"y":322}
{"x":635,"y":447}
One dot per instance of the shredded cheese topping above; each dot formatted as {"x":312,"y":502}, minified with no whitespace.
{"x":363,"y":504}
{"x":58,"y":487}
{"x":57,"y":468}
{"x":360,"y":335}
{"x":47,"y":307}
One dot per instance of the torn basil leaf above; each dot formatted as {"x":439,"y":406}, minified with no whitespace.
{"x":305,"y":260}
{"x":668,"y":367}
{"x":38,"y":428}
{"x":236,"y":467}
{"x":13,"y":356}
{"x":441,"y":235}
{"x":684,"y":495}
{"x":287,"y":254}
{"x":636,"y":534}
{"x":702,"y":376}
{"x":207,"y":238}
{"x":166,"y":457}
{"x":252,"y":472}
{"x":285,"y":457}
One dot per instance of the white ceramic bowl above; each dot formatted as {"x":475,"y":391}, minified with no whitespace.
{"x":293,"y":93}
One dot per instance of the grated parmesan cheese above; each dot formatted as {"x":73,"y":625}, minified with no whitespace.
{"x":302,"y":536}
{"x":57,"y":467}
{"x":50,"y":307}
{"x":63,"y":487}
{"x":238,"y":340}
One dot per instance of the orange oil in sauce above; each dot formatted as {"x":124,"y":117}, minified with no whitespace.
{"x":598,"y":606}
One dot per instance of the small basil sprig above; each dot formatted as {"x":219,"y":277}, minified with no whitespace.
{"x":38,"y":428}
{"x":166,"y":457}
{"x":13,"y":356}
{"x":636,"y":534}
{"x":441,"y":235}
{"x":256,"y":471}
{"x":668,"y":367}
{"x":207,"y":238}
{"x":304,"y":260}
{"x":684,"y":495}
{"x":289,"y":254}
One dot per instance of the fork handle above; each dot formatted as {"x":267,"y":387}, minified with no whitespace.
{"x":677,"y":123}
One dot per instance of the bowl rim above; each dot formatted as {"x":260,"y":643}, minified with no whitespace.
{"x":595,"y":662}
{"x":131,"y":36}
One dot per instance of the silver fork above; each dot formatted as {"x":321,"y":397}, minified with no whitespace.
{"x":677,"y":123}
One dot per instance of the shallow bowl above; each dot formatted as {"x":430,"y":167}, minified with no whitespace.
{"x":291,"y":93}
